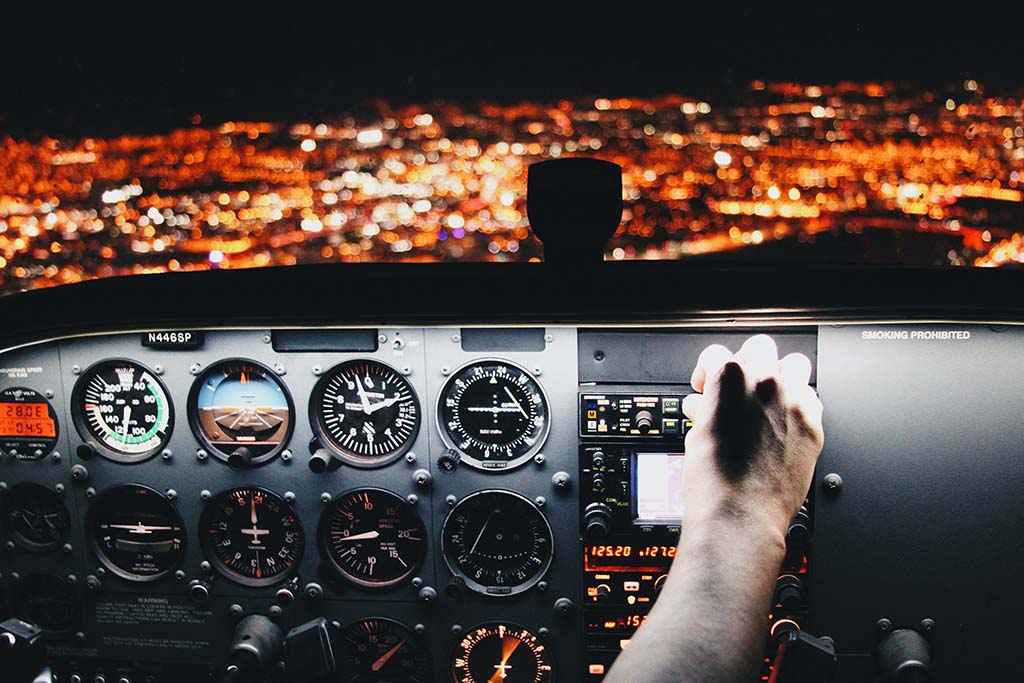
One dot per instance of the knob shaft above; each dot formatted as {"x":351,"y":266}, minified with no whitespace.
{"x":644,"y":420}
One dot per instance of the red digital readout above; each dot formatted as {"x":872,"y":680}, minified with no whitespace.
{"x":26,"y":420}
{"x":610,"y":558}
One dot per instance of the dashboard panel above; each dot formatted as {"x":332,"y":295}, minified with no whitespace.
{"x":437,"y":490}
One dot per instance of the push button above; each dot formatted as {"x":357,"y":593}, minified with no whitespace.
{"x":670,"y":426}
{"x":670,"y":406}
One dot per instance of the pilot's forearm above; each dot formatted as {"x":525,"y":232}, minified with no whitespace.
{"x":710,"y":622}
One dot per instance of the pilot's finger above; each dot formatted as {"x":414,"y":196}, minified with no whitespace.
{"x":810,"y":405}
{"x":795,"y":370}
{"x":760,"y":357}
{"x":694,"y":406}
{"x":709,"y":364}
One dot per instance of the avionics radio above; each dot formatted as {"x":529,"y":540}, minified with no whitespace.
{"x":631,"y":503}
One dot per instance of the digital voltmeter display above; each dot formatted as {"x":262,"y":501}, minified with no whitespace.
{"x":26,"y":420}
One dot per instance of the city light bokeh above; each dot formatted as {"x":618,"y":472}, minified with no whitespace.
{"x":781,"y":163}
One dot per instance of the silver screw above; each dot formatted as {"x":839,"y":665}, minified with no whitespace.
{"x":158,"y":369}
{"x":445,"y":371}
{"x":317,"y":370}
{"x":410,"y":457}
{"x":201,"y":454}
{"x":540,"y":501}
{"x":456,"y":338}
{"x":194,"y":368}
{"x":179,"y":575}
{"x":289,"y":496}
{"x":286,"y":455}
{"x":76,"y":370}
{"x":325,"y":498}
{"x":539,"y":458}
{"x":59,"y":488}
{"x":167,"y":455}
{"x":537,"y":371}
{"x":56,"y":456}
{"x":407,"y":371}
{"x":204,"y":495}
{"x":279,"y":368}
{"x":49,"y":393}
{"x":172,"y":494}
{"x":451,"y":500}
{"x":266,"y":339}
{"x":549,"y":338}
{"x":382,"y":338}
{"x":412,"y":498}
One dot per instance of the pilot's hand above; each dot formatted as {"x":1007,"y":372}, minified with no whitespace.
{"x":756,"y":435}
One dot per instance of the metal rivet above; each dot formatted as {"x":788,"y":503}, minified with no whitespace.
{"x":456,"y":629}
{"x":549,"y":338}
{"x":167,"y":455}
{"x":289,"y":496}
{"x":76,"y":370}
{"x":537,"y":372}
{"x":445,"y":371}
{"x":59,"y":488}
{"x":194,"y":368}
{"x":884,"y":625}
{"x":317,"y":370}
{"x":279,"y":368}
{"x":56,"y":456}
{"x":171,"y":494}
{"x":599,"y":356}
{"x":927,"y":624}
{"x":158,"y":369}
{"x":286,"y":455}
{"x":9,"y":545}
{"x":179,"y":575}
{"x":420,"y":629}
{"x":49,"y":393}
{"x":3,"y":485}
{"x":100,"y":571}
{"x":90,"y":492}
{"x":543,"y":632}
{"x":407,"y":371}
{"x":542,"y":585}
{"x":456,"y":338}
{"x":201,"y":454}
{"x":266,"y":339}
{"x":68,"y":548}
{"x":382,"y":338}
{"x":236,"y":610}
{"x":275,"y":611}
{"x":205,"y":494}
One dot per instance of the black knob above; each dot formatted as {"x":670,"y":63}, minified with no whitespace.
{"x":798,"y":535}
{"x":199,"y":590}
{"x":455,"y":587}
{"x":904,"y":657}
{"x":603,"y":591}
{"x":256,"y":646}
{"x":597,"y":520}
{"x":598,"y":459}
{"x":85,"y":451}
{"x":789,"y":592}
{"x":659,"y":583}
{"x":320,"y":460}
{"x":240,"y":459}
{"x":598,"y":482}
{"x":644,"y":420}
{"x":449,"y":460}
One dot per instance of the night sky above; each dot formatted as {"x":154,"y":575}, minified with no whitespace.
{"x":99,"y":71}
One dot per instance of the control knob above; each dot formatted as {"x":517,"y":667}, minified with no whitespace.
{"x":789,"y":592}
{"x":598,"y":459}
{"x":602,"y":592}
{"x":644,"y":421}
{"x":798,"y":535}
{"x":597,"y":520}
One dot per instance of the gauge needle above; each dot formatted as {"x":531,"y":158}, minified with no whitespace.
{"x":481,"y":534}
{"x":379,"y":664}
{"x":362,"y":396}
{"x":252,"y":506}
{"x":356,"y":537}
{"x":384,"y":404}
{"x":508,"y":646}
{"x":124,"y":425}
{"x":518,"y":404}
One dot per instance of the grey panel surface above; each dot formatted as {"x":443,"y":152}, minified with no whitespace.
{"x":502,"y":339}
{"x":668,"y":356}
{"x":925,"y":435}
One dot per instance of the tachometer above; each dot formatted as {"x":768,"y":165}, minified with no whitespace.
{"x":241,"y":412}
{"x":501,"y":652}
{"x":494,"y":413}
{"x":380,"y":650}
{"x":122,"y":409}
{"x":498,"y":542}
{"x":136,"y":532}
{"x":372,"y":537}
{"x":252,"y":536}
{"x":366,"y":412}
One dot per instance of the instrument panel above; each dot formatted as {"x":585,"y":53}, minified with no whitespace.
{"x":461,"y":503}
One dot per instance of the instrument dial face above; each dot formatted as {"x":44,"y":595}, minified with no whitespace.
{"x":494,"y":413}
{"x":366,"y":412}
{"x":382,"y":650}
{"x":28,"y":424}
{"x":35,"y":517}
{"x":372,"y":537}
{"x":136,"y":532}
{"x":498,"y":542}
{"x":49,"y":602}
{"x":123,"y":410}
{"x":240,"y":404}
{"x":251,"y":536}
{"x":501,"y":652}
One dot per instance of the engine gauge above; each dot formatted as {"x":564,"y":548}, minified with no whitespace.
{"x":136,"y":532}
{"x":123,"y":410}
{"x":372,"y":537}
{"x":494,"y":414}
{"x":35,"y":518}
{"x":251,"y":536}
{"x":366,"y":412}
{"x":49,"y":602}
{"x":28,"y":424}
{"x":498,"y":542}
{"x":501,"y":652}
{"x":382,"y":650}
{"x":241,"y":412}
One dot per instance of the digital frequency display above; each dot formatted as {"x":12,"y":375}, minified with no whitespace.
{"x":659,"y":486}
{"x":26,"y":420}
